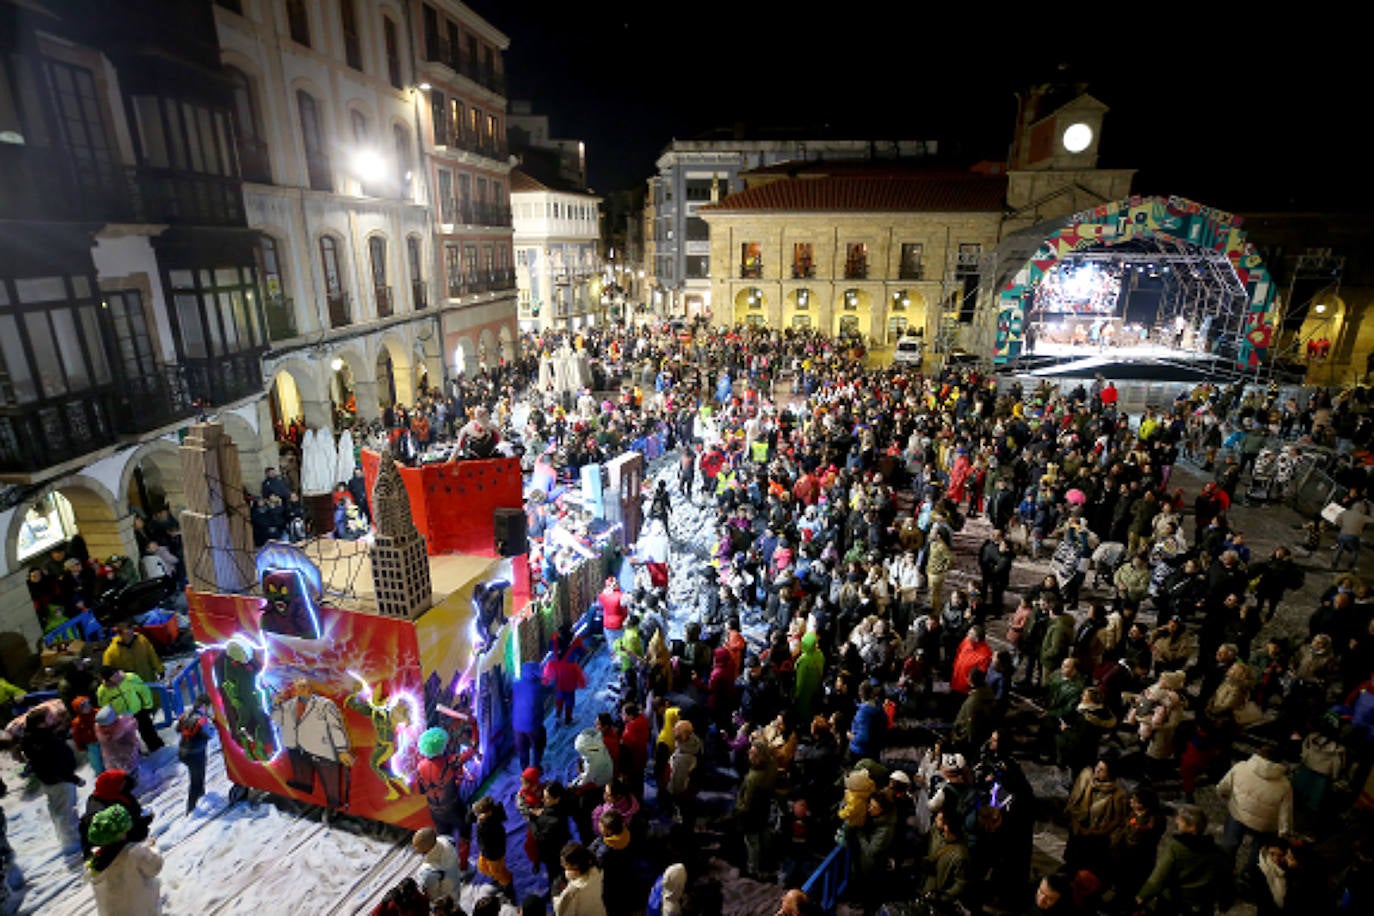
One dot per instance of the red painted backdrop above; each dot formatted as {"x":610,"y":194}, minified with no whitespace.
{"x":453,"y":504}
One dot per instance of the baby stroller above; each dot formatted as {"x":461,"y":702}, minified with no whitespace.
{"x":1262,"y":478}
{"x":1106,"y":558}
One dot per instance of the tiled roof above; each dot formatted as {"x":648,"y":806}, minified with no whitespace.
{"x":944,"y":192}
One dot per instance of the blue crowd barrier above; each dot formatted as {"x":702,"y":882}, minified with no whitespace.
{"x":829,"y":880}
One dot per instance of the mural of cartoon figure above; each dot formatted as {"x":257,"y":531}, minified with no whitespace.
{"x":236,"y":672}
{"x":388,"y":719}
{"x":489,"y":603}
{"x":316,"y":741}
{"x":286,"y":610}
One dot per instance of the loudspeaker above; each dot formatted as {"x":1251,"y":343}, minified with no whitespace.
{"x":509,"y":532}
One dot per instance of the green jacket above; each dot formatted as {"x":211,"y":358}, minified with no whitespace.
{"x":1062,"y":694}
{"x":130,"y":697}
{"x":810,"y":668}
{"x":1058,"y":640}
{"x":1191,"y":872}
{"x":947,"y":865}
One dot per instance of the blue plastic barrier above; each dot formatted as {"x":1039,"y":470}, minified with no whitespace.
{"x":829,"y":880}
{"x":82,"y":626}
{"x":179,"y":694}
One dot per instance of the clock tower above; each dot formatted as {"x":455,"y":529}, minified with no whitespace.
{"x":1052,"y":166}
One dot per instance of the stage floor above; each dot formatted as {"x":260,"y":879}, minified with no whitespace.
{"x":1117,"y":353}
{"x":347,"y":570}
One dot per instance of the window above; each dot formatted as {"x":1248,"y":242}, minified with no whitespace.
{"x":281,"y":316}
{"x":312,"y":136}
{"x":359,"y":121}
{"x":401,"y":136}
{"x":393,"y":53}
{"x":254,"y":162}
{"x":802,"y":266}
{"x":439,"y":118}
{"x":697,"y":229}
{"x":755,"y":319}
{"x":376,"y":248}
{"x":78,"y":112}
{"x":453,"y":267}
{"x":910,"y":268}
{"x":856,"y":261}
{"x":493,"y":137}
{"x":215,"y":312}
{"x":474,"y":122}
{"x":298,"y":22}
{"x":445,"y":196}
{"x":751,"y":260}
{"x":57,"y":319}
{"x":455,"y":120}
{"x":133,"y":345}
{"x":417,"y":280}
{"x":901,"y":300}
{"x":698,"y":189}
{"x":803,"y":299}
{"x":430,"y":17}
{"x":753,"y":298}
{"x":851,"y":300}
{"x":896,"y":327}
{"x":465,"y":197}
{"x":470,"y":262}
{"x":333,"y":282}
{"x":849,"y":326}
{"x":801,"y":321}
{"x":353,"y":43}
{"x":698,"y":267}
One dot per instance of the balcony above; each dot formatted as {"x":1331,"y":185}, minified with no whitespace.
{"x":457,"y":286}
{"x":438,"y":50}
{"x":803,"y":271}
{"x":34,"y":438}
{"x":751,"y":271}
{"x":483,"y":214}
{"x":224,"y":379}
{"x":281,"y":318}
{"x":911,"y":273}
{"x":503,"y":279}
{"x":166,"y":196}
{"x":477,"y":282}
{"x":856,"y":270}
{"x":384,"y":304}
{"x":418,"y":295}
{"x":338,"y":311}
{"x":34,"y":184}
{"x":59,"y":431}
{"x":153,"y":401}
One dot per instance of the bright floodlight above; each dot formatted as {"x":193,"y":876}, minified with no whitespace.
{"x":336,"y":364}
{"x":368,"y":165}
{"x":1077,"y":137}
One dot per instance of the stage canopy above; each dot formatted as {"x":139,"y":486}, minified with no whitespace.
{"x":1148,"y":277}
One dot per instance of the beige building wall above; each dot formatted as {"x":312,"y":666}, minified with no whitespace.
{"x":882,"y":295}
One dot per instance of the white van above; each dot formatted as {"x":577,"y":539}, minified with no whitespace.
{"x":908,"y":352}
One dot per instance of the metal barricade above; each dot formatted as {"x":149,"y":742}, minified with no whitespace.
{"x":829,"y":880}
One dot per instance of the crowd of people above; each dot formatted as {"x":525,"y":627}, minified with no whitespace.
{"x":939,"y":611}
{"x":874,"y":678}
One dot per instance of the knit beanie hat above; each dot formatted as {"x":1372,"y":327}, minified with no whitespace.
{"x":110,"y":826}
{"x":106,"y":715}
{"x":433,"y":741}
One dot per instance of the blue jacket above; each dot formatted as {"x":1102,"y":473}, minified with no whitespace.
{"x":528,"y":699}
{"x":869,"y":722}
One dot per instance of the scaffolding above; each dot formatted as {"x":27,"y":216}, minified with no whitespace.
{"x":965,"y":289}
{"x":1316,"y":275}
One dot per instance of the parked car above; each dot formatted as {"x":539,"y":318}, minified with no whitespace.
{"x":908,"y":352}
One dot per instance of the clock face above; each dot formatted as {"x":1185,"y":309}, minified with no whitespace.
{"x":1077,"y":137}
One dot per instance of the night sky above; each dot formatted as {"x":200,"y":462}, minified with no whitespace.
{"x":1243,"y":115}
